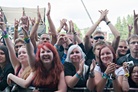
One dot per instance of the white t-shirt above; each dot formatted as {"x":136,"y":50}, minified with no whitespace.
{"x":118,"y":72}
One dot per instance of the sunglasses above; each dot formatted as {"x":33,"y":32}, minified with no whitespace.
{"x":98,"y":37}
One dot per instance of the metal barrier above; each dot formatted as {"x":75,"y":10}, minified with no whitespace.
{"x":84,"y":89}
{"x":78,"y":89}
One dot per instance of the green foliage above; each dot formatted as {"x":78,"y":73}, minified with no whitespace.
{"x":122,"y":26}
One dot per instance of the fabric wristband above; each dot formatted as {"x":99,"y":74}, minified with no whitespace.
{"x":26,"y":40}
{"x":78,"y":76}
{"x":105,"y":76}
{"x":5,"y":36}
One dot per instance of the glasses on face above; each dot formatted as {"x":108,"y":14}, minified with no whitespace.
{"x":18,"y":46}
{"x":134,"y":43}
{"x":98,"y":37}
{"x":125,"y":47}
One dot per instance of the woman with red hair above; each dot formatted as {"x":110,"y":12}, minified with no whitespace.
{"x":47,"y":70}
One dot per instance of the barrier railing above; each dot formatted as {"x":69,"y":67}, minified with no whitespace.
{"x":84,"y":89}
{"x":77,"y":89}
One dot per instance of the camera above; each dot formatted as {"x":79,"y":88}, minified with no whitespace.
{"x":130,"y":63}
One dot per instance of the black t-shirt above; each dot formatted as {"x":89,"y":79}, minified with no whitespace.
{"x":89,"y":56}
{"x":3,"y":76}
{"x":70,"y":70}
{"x":126,"y":58}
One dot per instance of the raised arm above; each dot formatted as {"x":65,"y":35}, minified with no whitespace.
{"x":29,"y":47}
{"x":51,"y":25}
{"x":14,"y":60}
{"x":16,"y":24}
{"x":87,"y":42}
{"x":76,"y":37}
{"x":135,"y":23}
{"x":33,"y":33}
{"x":130,"y":27}
{"x":114,"y":31}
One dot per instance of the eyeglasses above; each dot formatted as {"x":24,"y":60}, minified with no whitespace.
{"x":98,"y":37}
{"x":18,"y":46}
{"x":134,"y":42}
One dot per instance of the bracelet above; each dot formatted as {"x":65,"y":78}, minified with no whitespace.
{"x":91,"y":74}
{"x":78,"y":76}
{"x":15,"y":29}
{"x":26,"y":40}
{"x":98,"y":23}
{"x":108,"y":22}
{"x":4,"y":33}
{"x":105,"y":76}
{"x":5,"y":36}
{"x":126,"y":75}
{"x":37,"y":22}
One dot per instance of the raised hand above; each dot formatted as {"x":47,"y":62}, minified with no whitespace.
{"x":130,"y":27}
{"x":16,"y":23}
{"x":60,"y":40}
{"x":48,"y":10}
{"x":2,"y":23}
{"x":103,"y":14}
{"x":38,"y":15}
{"x":24,"y":21}
{"x":32,"y":20}
{"x":135,"y":16}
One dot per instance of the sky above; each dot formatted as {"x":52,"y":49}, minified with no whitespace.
{"x":74,"y":9}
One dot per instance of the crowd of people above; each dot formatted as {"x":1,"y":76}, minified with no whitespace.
{"x":59,"y":62}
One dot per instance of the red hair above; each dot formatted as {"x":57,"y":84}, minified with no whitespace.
{"x":43,"y":77}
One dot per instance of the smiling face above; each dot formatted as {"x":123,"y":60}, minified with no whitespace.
{"x":46,"y":55}
{"x":22,"y":56}
{"x":2,"y":57}
{"x":75,"y":55}
{"x":106,"y":55}
{"x":134,"y":75}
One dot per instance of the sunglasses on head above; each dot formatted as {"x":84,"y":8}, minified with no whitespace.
{"x":98,"y":37}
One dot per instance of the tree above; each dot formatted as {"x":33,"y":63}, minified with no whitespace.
{"x":122,"y":26}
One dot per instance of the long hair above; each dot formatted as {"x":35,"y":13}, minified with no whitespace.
{"x":132,"y":84}
{"x":43,"y":77}
{"x":5,"y":50}
{"x":71,"y":48}
{"x":102,"y":66}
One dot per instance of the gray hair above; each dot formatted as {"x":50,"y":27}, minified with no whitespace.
{"x":71,"y":48}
